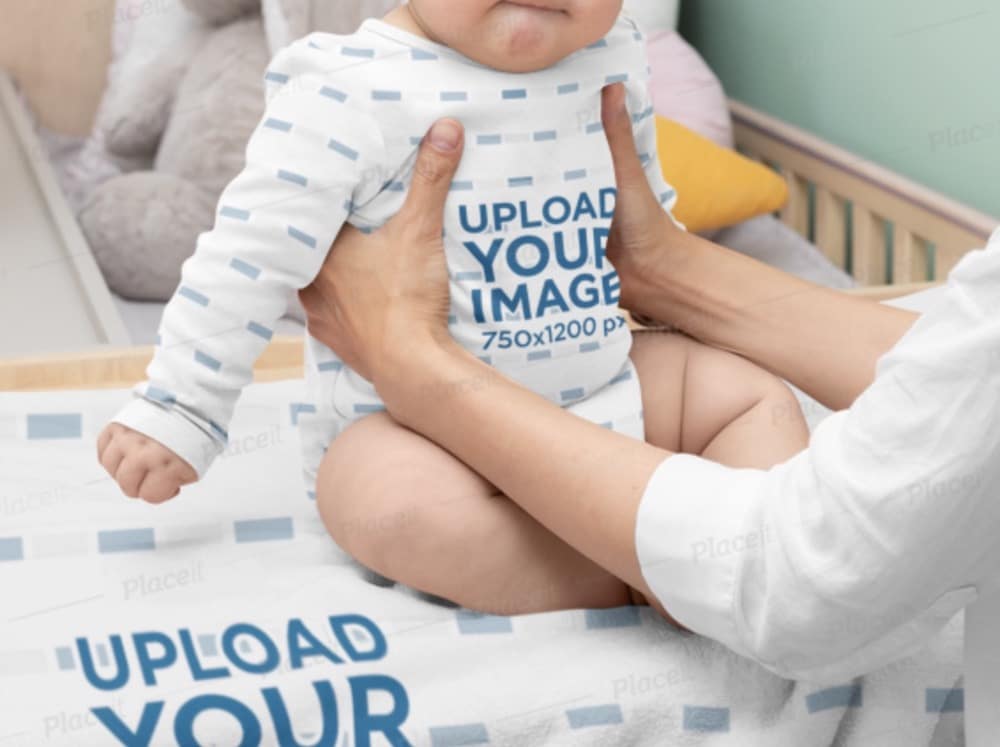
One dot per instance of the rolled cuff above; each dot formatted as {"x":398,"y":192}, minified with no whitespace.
{"x":172,"y":429}
{"x":693,"y":526}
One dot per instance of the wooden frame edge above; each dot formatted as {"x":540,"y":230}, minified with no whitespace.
{"x":118,"y":367}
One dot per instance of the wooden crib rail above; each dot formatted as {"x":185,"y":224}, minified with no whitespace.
{"x":854,"y":200}
{"x":121,"y":367}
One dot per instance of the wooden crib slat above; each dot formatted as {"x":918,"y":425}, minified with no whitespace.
{"x":946,"y":256}
{"x":909,"y":257}
{"x":868,"y":243}
{"x":831,"y":226}
{"x":952,"y":227}
{"x":796,"y":210}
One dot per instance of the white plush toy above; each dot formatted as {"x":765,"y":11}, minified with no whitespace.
{"x":189,"y":111}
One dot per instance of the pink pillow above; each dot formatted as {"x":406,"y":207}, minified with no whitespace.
{"x":685,"y":89}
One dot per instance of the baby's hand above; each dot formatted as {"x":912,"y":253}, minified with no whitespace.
{"x":143,"y":468}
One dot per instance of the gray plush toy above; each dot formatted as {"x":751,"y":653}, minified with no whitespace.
{"x":142,"y":225}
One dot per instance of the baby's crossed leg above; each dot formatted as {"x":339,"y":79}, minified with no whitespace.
{"x":410,"y":510}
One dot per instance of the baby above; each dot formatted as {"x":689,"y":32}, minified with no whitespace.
{"x":532,"y":293}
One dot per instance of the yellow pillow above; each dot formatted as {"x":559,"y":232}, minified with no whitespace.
{"x":716,"y":187}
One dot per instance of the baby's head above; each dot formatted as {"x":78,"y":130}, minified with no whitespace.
{"x":515,"y":35}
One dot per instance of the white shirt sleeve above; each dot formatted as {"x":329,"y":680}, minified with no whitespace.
{"x":311,"y":157}
{"x":854,"y":552}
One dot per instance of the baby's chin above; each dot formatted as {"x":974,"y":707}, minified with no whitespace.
{"x":521,"y":39}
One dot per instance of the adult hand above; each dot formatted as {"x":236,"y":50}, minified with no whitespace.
{"x":378,"y":293}
{"x":641,"y":230}
{"x":388,"y":289}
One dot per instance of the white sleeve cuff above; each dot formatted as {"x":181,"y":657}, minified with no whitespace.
{"x":692,"y":526}
{"x":172,"y":429}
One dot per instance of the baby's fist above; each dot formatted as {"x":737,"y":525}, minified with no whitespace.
{"x":142,"y":467}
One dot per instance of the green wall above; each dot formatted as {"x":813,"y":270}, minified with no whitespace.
{"x":911,"y":84}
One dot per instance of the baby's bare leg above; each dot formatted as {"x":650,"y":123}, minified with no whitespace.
{"x":705,"y":401}
{"x":411,"y":511}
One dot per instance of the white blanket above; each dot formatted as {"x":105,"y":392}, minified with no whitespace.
{"x":236,"y":618}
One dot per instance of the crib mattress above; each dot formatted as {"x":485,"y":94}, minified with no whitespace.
{"x":227,"y":615}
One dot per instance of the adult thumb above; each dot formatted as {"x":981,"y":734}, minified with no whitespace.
{"x":437,"y":160}
{"x":617,"y":122}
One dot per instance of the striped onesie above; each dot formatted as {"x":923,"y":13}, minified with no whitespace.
{"x":526,"y":224}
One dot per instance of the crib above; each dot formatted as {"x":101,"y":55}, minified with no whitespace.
{"x":894,"y":236}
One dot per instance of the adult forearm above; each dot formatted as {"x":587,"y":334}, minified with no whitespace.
{"x":824,"y":341}
{"x":581,"y":481}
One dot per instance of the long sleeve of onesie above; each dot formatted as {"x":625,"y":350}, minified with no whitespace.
{"x":640,"y":105}
{"x":312,"y":156}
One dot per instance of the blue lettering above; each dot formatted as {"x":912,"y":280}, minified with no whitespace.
{"x":184,"y":722}
{"x":607,"y":200}
{"x":590,"y":297}
{"x":485,"y":260}
{"x":550,"y":216}
{"x":120,"y":678}
{"x":584,"y":207}
{"x":520,"y":299}
{"x":283,"y":724}
{"x":612,"y":288}
{"x":366,"y":723}
{"x":503,"y":212}
{"x":551,"y":296}
{"x":197,"y":671}
{"x":271,"y":656}
{"x":302,"y":643}
{"x":476,"y":294}
{"x":143,"y":734}
{"x":525,"y":221}
{"x":600,"y":242}
{"x":515,"y":263}
{"x":338,"y":623}
{"x":561,"y":258}
{"x":463,"y":218}
{"x":147,"y":663}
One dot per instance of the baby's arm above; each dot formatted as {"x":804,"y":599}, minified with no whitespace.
{"x":312,"y":155}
